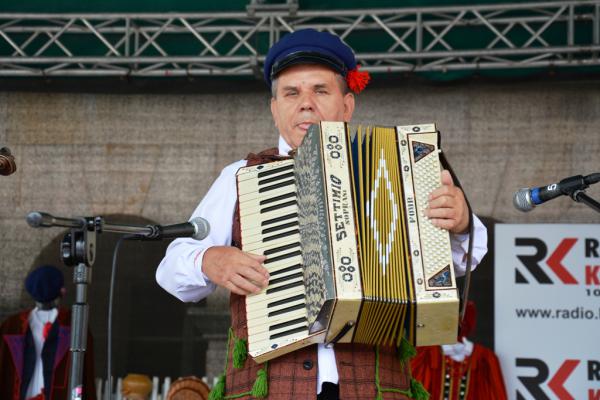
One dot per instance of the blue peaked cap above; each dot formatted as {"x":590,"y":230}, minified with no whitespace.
{"x":44,"y":283}
{"x":308,"y":46}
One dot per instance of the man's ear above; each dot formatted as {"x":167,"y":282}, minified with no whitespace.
{"x":274,"y":110}
{"x":348,"y":106}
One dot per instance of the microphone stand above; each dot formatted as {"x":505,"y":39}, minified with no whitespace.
{"x":78,"y":250}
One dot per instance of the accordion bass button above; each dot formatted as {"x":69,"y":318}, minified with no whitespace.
{"x":307,"y":364}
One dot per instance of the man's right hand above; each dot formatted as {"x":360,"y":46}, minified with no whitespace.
{"x":240,"y":272}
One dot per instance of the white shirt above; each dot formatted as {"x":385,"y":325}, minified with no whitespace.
{"x":180,"y":271}
{"x":37,"y":320}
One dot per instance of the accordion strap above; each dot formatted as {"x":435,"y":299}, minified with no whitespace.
{"x":470,"y":230}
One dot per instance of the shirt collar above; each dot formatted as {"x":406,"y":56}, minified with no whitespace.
{"x":459,"y":351}
{"x":284,"y":148}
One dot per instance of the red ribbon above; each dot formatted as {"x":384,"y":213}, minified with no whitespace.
{"x":46,"y":332}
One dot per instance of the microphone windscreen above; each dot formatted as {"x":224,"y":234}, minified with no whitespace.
{"x":522,"y":200}
{"x":202,"y":228}
{"x":34,"y":219}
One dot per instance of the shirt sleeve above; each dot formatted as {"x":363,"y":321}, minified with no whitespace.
{"x":460,"y":245}
{"x":180,"y":271}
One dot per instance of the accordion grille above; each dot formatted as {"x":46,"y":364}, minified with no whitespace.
{"x":388,"y":293}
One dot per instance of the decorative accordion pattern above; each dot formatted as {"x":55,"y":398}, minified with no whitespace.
{"x":352,"y":256}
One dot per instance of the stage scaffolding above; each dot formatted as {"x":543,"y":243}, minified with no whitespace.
{"x":521,"y":35}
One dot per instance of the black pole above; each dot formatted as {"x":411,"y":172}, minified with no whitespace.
{"x":82,"y":275}
{"x":581,"y":197}
{"x":78,"y":250}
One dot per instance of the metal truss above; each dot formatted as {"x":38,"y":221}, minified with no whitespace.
{"x":501,"y":36}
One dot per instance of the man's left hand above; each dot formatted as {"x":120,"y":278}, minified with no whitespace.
{"x":447,"y":207}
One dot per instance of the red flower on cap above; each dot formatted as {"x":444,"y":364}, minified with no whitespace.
{"x":357,"y":80}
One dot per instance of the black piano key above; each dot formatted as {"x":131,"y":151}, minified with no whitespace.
{"x":281,"y":235}
{"x":278,"y":206}
{"x":286,"y":278}
{"x":281,"y":248}
{"x":283,"y":257}
{"x":275,"y":178}
{"x":290,"y":332}
{"x":277,"y":186}
{"x":287,"y":309}
{"x":277,"y":198}
{"x":275,"y":171}
{"x":287,"y":323}
{"x":279,"y":219}
{"x":284,"y":287}
{"x":286,"y":269}
{"x":279,"y":227}
{"x":284,"y":301}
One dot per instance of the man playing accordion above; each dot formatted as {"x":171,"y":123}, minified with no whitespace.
{"x":313,"y":77}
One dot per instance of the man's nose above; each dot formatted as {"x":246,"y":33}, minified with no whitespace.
{"x":307,"y":102}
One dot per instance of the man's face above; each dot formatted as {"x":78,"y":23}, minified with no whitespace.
{"x":307,"y":94}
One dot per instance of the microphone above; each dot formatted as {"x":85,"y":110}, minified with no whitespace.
{"x":526,"y":199}
{"x":7,"y":162}
{"x":197,"y":228}
{"x":38,"y":219}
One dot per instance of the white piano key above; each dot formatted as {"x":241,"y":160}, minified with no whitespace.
{"x":271,"y":240}
{"x":255,"y":220}
{"x":270,"y":249}
{"x":264,"y":312}
{"x":267,"y":344}
{"x":272,"y":229}
{"x":274,"y":206}
{"x":262,"y":296}
{"x":251,"y":173}
{"x":250,"y":198}
{"x":264,"y":189}
{"x":276,"y":324}
{"x":268,"y":334}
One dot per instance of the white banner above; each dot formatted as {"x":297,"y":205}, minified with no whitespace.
{"x":547,"y":310}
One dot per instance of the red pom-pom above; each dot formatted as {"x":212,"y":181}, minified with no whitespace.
{"x":357,"y":80}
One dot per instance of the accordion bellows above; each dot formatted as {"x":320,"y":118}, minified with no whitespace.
{"x":351,"y":255}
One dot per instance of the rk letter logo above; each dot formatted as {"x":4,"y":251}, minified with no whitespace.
{"x":554,"y":262}
{"x":556,"y":383}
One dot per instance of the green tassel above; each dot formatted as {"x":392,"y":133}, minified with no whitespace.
{"x":261,"y":386}
{"x":406,"y":350}
{"x":239,"y":353}
{"x":418,"y":391}
{"x":218,"y":391}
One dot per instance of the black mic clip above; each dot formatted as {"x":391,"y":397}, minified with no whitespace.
{"x":572,"y":185}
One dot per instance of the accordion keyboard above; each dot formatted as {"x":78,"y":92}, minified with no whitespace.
{"x":269,"y":224}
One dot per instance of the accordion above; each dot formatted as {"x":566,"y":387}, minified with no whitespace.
{"x":351,"y":255}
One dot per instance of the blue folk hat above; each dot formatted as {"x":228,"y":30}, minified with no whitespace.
{"x":308,"y":46}
{"x":44,"y":283}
